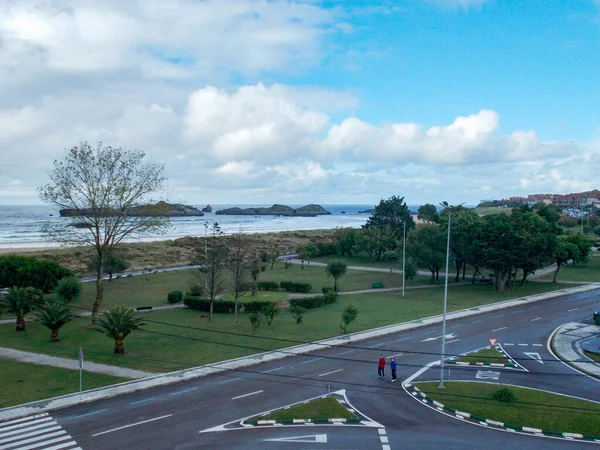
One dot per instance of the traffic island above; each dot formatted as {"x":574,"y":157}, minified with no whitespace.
{"x":488,"y":357}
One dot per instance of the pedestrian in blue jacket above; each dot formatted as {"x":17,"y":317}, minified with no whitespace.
{"x":393,"y":366}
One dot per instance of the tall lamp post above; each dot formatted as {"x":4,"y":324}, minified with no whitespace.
{"x":403,"y":258}
{"x":446,"y":205}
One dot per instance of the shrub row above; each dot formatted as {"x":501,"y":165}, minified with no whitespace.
{"x":291,"y":286}
{"x":203,"y":304}
{"x":256,"y":307}
{"x":314,"y":302}
{"x":268,"y":285}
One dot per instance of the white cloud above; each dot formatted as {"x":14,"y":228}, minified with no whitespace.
{"x":464,"y":4}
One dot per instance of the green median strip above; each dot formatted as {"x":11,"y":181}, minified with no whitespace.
{"x":552,"y":413}
{"x":486,"y":357}
{"x":319,"y":410}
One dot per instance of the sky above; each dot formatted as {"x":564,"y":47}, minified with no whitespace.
{"x":295,"y":102}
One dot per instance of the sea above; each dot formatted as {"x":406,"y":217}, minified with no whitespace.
{"x":24,"y":226}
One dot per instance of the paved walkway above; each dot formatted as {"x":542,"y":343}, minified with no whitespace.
{"x":247,"y":361}
{"x":566,"y":343}
{"x":66,"y":363}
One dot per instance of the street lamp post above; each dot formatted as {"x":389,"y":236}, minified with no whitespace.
{"x":403,"y":258}
{"x":445,"y":204}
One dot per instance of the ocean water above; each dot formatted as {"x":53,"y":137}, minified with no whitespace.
{"x":23,"y":226}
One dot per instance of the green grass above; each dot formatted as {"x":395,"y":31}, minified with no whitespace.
{"x":550,"y":412}
{"x":22,"y":382}
{"x":589,"y":271}
{"x":186,"y":340}
{"x":593,"y":356}
{"x":322,"y":408}
{"x":489,"y":355}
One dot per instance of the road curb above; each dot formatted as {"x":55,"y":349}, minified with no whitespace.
{"x":423,"y":398}
{"x":69,"y":400}
{"x":579,"y":367}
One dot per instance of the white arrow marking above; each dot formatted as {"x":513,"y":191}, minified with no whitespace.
{"x":448,"y":336}
{"x":535,"y":356}
{"x":315,"y":439}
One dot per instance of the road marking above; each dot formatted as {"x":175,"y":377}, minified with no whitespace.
{"x":247,"y":395}
{"x":381,"y":430}
{"x":477,"y":321}
{"x":329,"y":373}
{"x":522,"y":345}
{"x":429,"y":332}
{"x":538,"y":345}
{"x":487,"y":375}
{"x":498,"y":329}
{"x":33,"y":422}
{"x":346,"y":352}
{"x":518,"y":310}
{"x":506,"y":343}
{"x":313,"y":439}
{"x":184,"y":391}
{"x":376,"y":345}
{"x":310,"y":360}
{"x":448,"y":336}
{"x":497,"y":315}
{"x":93,"y":412}
{"x":384,"y":439}
{"x":403,"y":339}
{"x":231,"y":379}
{"x":537,"y":318}
{"x":393,"y":356}
{"x":454,"y":326}
{"x":11,"y":435}
{"x":142,"y":401}
{"x":571,"y":310}
{"x":272,"y":370}
{"x":131,"y":425}
{"x":450,"y":342}
{"x":534,"y":356}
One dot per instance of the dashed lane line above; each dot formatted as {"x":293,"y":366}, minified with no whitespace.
{"x":376,"y":345}
{"x":537,"y":318}
{"x":499,"y":329}
{"x":185,"y":391}
{"x":329,"y":373}
{"x":450,"y":342}
{"x":403,"y":339}
{"x":142,"y":401}
{"x":311,"y":360}
{"x":247,"y":395}
{"x":93,"y":412}
{"x":346,"y":352}
{"x":272,"y":370}
{"x":574,"y":309}
{"x":132,"y":425}
{"x":230,"y":380}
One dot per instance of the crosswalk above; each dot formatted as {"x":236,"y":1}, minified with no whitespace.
{"x":39,"y":432}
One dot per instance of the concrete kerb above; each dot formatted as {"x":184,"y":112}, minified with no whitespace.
{"x":68,"y":400}
{"x":561,"y":345}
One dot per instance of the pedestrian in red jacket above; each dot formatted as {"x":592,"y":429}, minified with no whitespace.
{"x":381,"y":367}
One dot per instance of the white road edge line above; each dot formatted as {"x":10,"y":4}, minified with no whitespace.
{"x":132,"y":425}
{"x":247,"y":395}
{"x":329,"y":373}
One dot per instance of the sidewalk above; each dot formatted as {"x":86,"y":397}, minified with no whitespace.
{"x":66,"y":401}
{"x":566,"y":343}
{"x":66,"y":363}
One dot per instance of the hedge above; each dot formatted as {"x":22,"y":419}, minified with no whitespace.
{"x":256,"y":307}
{"x":291,"y":286}
{"x":203,"y":304}
{"x":314,"y":302}
{"x":268,"y":285}
{"x":175,"y":297}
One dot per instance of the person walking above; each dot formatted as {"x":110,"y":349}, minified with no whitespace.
{"x":381,"y":367}
{"x":393,"y":366}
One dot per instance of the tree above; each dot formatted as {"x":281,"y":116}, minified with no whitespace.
{"x":336,"y":269}
{"x":270,"y":310}
{"x":24,"y":271}
{"x":102,"y":188}
{"x":391,"y":213}
{"x":348,"y":316}
{"x":345,"y":241}
{"x":68,"y":289}
{"x":306,"y":253}
{"x":427,"y":247}
{"x":563,"y":252}
{"x":20,"y":301}
{"x":113,"y":263}
{"x":53,"y":314}
{"x":584,"y":245}
{"x":297,"y":313}
{"x":428,"y":213}
{"x":212,"y":260}
{"x":273,"y":254}
{"x":462,"y":232}
{"x":375,"y":241}
{"x":118,"y":323}
{"x":239,"y":266}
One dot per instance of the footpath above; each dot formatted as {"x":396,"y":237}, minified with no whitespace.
{"x":240,"y":363}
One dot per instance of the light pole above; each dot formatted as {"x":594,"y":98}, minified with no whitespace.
{"x":403,"y":257}
{"x":445,"y":204}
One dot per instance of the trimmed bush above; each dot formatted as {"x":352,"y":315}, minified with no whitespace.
{"x":314,"y":302}
{"x":254,"y":307}
{"x":291,"y":286}
{"x":268,"y":286}
{"x":255,"y":320}
{"x":505,"y":395}
{"x":195,"y":290}
{"x":203,"y":304}
{"x":175,"y":297}
{"x":327,"y":289}
{"x":330,"y":298}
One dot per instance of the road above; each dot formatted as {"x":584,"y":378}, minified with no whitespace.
{"x":173,"y":416}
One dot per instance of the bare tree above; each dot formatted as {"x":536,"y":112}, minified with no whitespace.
{"x":212,"y":259}
{"x":106,"y":193}
{"x":239,"y":265}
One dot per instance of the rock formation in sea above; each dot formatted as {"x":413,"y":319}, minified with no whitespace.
{"x":207,"y":209}
{"x":161,"y":208}
{"x":276,"y":210}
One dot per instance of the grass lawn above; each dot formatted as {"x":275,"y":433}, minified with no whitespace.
{"x":321,"y":408}
{"x":593,"y":356}
{"x":22,"y":382}
{"x":184,"y":339}
{"x":550,"y":412}
{"x":589,"y":271}
{"x":489,"y":355}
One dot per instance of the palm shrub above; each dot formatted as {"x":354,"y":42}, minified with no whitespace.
{"x":255,"y":320}
{"x":118,"y":323}
{"x":20,"y":301}
{"x":270,"y":310}
{"x":53,"y":314}
{"x":297,"y":313}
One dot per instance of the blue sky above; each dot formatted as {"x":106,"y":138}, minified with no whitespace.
{"x":256,"y":101}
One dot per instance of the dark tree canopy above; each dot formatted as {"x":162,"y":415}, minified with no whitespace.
{"x":23,"y":271}
{"x":113,"y":263}
{"x":104,"y":185}
{"x":391,"y":213}
{"x":428,"y":213}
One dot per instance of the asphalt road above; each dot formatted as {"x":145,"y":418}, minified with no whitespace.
{"x":173,"y":416}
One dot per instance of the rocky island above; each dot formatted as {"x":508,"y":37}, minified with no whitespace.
{"x":207,"y":209}
{"x":276,"y":210}
{"x":161,"y":208}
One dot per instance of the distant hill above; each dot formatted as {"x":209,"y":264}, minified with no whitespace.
{"x":162,"y":209}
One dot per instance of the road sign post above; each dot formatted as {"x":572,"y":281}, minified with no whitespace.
{"x":80,"y":369}
{"x":492,"y":342}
